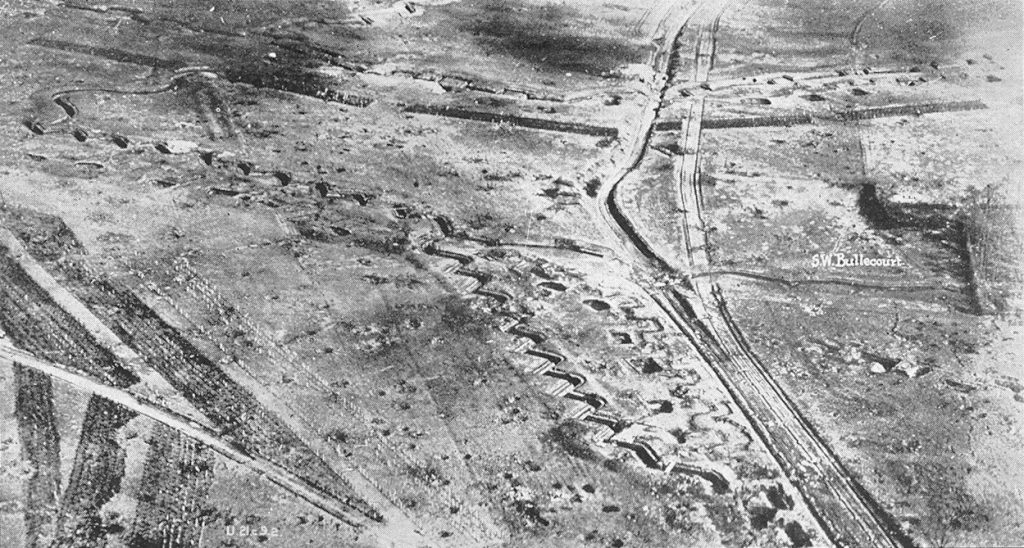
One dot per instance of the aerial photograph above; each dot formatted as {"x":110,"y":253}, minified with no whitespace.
{"x":512,"y":273}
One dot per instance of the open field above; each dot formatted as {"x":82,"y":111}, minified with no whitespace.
{"x":511,"y":273}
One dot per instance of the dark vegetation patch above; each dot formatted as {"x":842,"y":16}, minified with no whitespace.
{"x":394,"y":243}
{"x":37,"y":324}
{"x":924,"y":30}
{"x":555,"y":37}
{"x":778,"y":497}
{"x":958,"y":510}
{"x":761,"y":516}
{"x":114,"y":54}
{"x":797,"y":536}
{"x":872,"y":209}
{"x":95,"y":477}
{"x":993,"y":246}
{"x":725,"y":514}
{"x":939,"y":222}
{"x":947,"y":226}
{"x":293,"y":69}
{"x":459,"y":317}
{"x":520,"y":121}
{"x":784,"y":120}
{"x":51,"y":239}
{"x":172,"y":496}
{"x":909,"y":110}
{"x":428,"y":474}
{"x":530,"y":512}
{"x":441,"y":338}
{"x":242,"y":35}
{"x":648,"y":365}
{"x":950,"y":507}
{"x":571,"y":438}
{"x":40,"y":442}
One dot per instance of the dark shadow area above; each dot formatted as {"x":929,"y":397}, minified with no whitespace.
{"x":550,"y":37}
{"x":292,"y":69}
{"x":944,"y":226}
{"x":871,"y":208}
{"x":923,"y":30}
